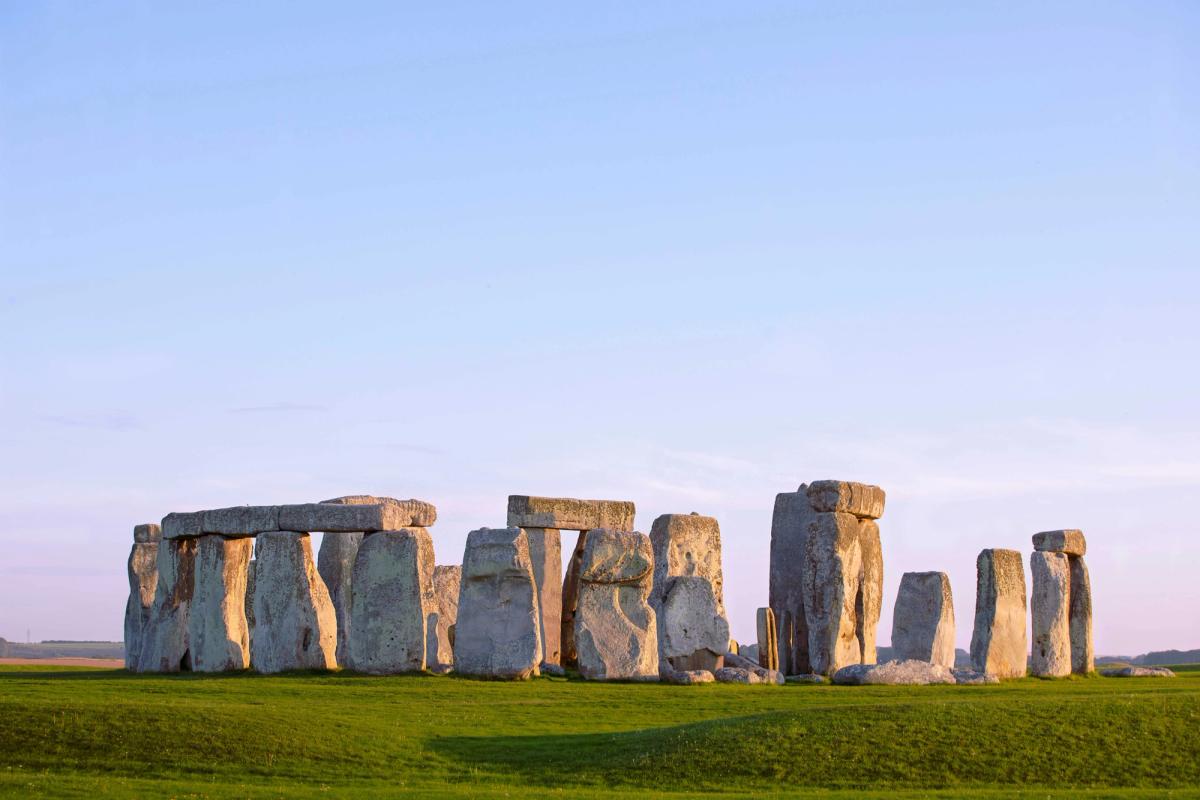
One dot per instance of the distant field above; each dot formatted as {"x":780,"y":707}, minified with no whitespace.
{"x":86,"y":732}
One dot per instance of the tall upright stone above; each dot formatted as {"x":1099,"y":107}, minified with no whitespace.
{"x":1083,"y":656}
{"x":165,"y":637}
{"x":693,"y":632}
{"x":447,"y":584}
{"x":568,"y":655}
{"x":217,"y":629}
{"x":498,"y":632}
{"x":392,"y":591}
{"x":335,"y":564}
{"x":869,"y":601}
{"x":923,"y":619}
{"x":142,"y":568}
{"x":251,"y":569}
{"x":295,"y":625}
{"x":616,"y":634}
{"x":998,"y":642}
{"x":768,"y":639}
{"x":687,"y":545}
{"x":831,"y":579}
{"x":789,"y":537}
{"x":1050,"y":608}
{"x":545,"y":554}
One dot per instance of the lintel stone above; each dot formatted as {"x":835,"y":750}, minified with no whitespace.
{"x":567,"y":513}
{"x":1069,"y":541}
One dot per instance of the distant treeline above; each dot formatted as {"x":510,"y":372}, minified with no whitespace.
{"x":61,"y":649}
{"x":1156,"y":658}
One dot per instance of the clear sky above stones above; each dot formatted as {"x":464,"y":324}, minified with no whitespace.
{"x":684,"y":254}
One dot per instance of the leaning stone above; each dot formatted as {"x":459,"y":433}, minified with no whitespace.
{"x":143,"y":580}
{"x":567,"y":513}
{"x":335,"y":564}
{"x":750,"y":651}
{"x":923,"y":619}
{"x":165,"y":636}
{"x":240,"y":520}
{"x":806,"y":678}
{"x":689,"y":677}
{"x":498,"y":633}
{"x":392,"y":588}
{"x":545,"y":553}
{"x":870,"y":589}
{"x":969,"y":677}
{"x":570,"y":602}
{"x":894,"y":673}
{"x":694,"y":633}
{"x":349,"y":518}
{"x":615,"y":630}
{"x":789,"y":537}
{"x":687,"y":545}
{"x":1050,"y":609}
{"x":1068,"y":541}
{"x":830,"y":580}
{"x":217,"y":630}
{"x":846,"y":497}
{"x":295,"y":625}
{"x":1137,"y":672}
{"x":1083,"y":657}
{"x":178,"y":525}
{"x":998,"y":641}
{"x":447,"y":583}
{"x":147,"y":533}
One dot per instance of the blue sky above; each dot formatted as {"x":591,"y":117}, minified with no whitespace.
{"x":689,"y":255}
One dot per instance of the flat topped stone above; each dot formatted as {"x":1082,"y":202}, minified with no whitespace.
{"x":351,"y":517}
{"x":860,"y":499}
{"x":146,"y":533}
{"x":179,"y":524}
{"x":240,"y":520}
{"x":568,"y":513}
{"x":1069,"y":541}
{"x":616,"y":557}
{"x":420,"y":513}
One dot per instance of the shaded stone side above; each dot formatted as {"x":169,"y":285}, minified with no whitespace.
{"x":789,"y":536}
{"x":1083,"y":657}
{"x":768,"y":640}
{"x":165,"y":637}
{"x":335,"y":564}
{"x":999,"y":643}
{"x":295,"y":625}
{"x":545,"y":554}
{"x":142,"y":568}
{"x":869,"y":597}
{"x":568,"y":657}
{"x":439,"y":646}
{"x":923,"y":619}
{"x":217,"y":631}
{"x":392,"y":597}
{"x":251,"y":567}
{"x":1049,"y":606}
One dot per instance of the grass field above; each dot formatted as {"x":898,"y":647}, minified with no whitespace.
{"x":84,"y":733}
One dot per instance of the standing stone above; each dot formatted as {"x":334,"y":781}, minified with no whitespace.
{"x":1050,"y":606}
{"x":498,"y":632}
{"x":251,"y":567}
{"x":694,"y":633}
{"x":615,"y":630}
{"x":570,"y":602}
{"x":143,"y":580}
{"x":923,"y":619}
{"x":335,"y":563}
{"x":392,"y":594}
{"x":998,"y":641}
{"x":439,"y":647}
{"x":165,"y":637}
{"x":1083,"y":659}
{"x":217,"y":630}
{"x":545,"y":553}
{"x":687,"y":545}
{"x":830,"y":581}
{"x":789,"y":538}
{"x":295,"y":625}
{"x":768,"y":640}
{"x":870,"y":588}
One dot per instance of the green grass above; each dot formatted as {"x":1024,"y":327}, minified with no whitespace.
{"x":87,"y":732}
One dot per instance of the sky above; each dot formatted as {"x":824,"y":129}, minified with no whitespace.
{"x":690,"y":255}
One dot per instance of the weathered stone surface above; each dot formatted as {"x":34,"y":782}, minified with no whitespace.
{"x":1137,"y":672}
{"x":923,"y":619}
{"x":616,"y":633}
{"x":545,"y":553}
{"x":335,"y":564}
{"x":1083,"y":657}
{"x":165,"y":636}
{"x":738,"y":661}
{"x":789,"y":536}
{"x":240,"y":520}
{"x":350,"y":517}
{"x":689,"y":677}
{"x":810,"y":677}
{"x":847,"y":497}
{"x":392,"y":590}
{"x":751,"y":652}
{"x":830,"y":580}
{"x":567,"y":513}
{"x":687,"y":545}
{"x":418,"y":513}
{"x":553,"y":671}
{"x":1050,"y":609}
{"x":147,"y":533}
{"x":498,"y":633}
{"x":143,"y":580}
{"x":447,"y":583}
{"x":694,"y":633}
{"x":178,"y":525}
{"x":295,"y":625}
{"x":251,"y":569}
{"x":894,"y":673}
{"x":969,"y":677}
{"x":750,"y":676}
{"x":998,"y":641}
{"x":570,"y":602}
{"x":1068,"y":541}
{"x":217,"y":632}
{"x":869,"y":602}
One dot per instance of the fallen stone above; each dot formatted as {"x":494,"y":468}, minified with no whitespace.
{"x":736,"y":675}
{"x":846,"y":497}
{"x":739,"y":661}
{"x":295,"y":624}
{"x":894,"y":673}
{"x":240,"y":520}
{"x":1083,"y":656}
{"x":694,"y":634}
{"x":811,"y":677}
{"x":830,"y":581}
{"x":1137,"y":672}
{"x":143,"y":581}
{"x":497,"y":633}
{"x":687,"y":545}
{"x":923,"y":619}
{"x":789,"y":537}
{"x":335,"y":564}
{"x":545,"y":553}
{"x":969,"y":677}
{"x":567,"y":513}
{"x":616,"y":633}
{"x":869,"y":603}
{"x":147,"y":533}
{"x":1050,"y":609}
{"x":447,"y":584}
{"x":1068,"y":541}
{"x":998,"y":640}
{"x":177,"y":525}
{"x":350,"y":518}
{"x":392,"y":591}
{"x":553,"y":670}
{"x":165,"y":636}
{"x":218,"y":635}
{"x":689,"y":677}
{"x":418,"y":513}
